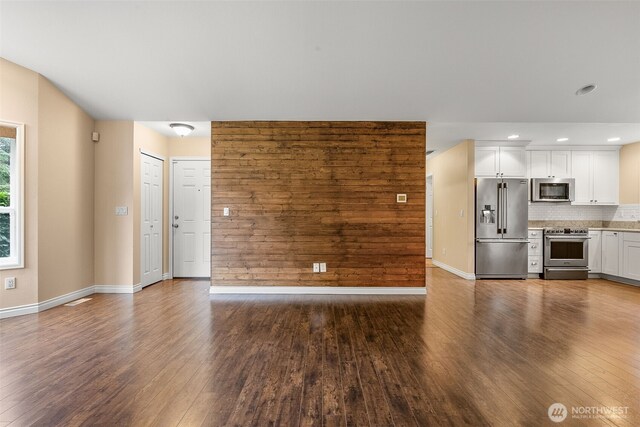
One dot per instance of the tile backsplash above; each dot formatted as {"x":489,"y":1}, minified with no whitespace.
{"x":566,"y":212}
{"x":622,"y":213}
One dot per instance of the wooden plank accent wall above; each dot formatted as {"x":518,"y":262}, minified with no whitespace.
{"x":305,"y":192}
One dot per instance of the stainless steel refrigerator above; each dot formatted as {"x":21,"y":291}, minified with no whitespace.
{"x":501,"y":228}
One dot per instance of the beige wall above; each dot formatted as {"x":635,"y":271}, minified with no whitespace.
{"x":190,"y":146}
{"x":113,"y":157}
{"x":73,"y":238}
{"x":453,"y":191}
{"x":65,"y":194}
{"x":58,"y":206}
{"x":154,"y":143}
{"x":630,"y":174}
{"x":117,"y":183}
{"x":19,"y":104}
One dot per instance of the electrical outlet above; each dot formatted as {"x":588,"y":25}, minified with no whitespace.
{"x":122,"y":210}
{"x":316,"y":267}
{"x":225,"y":212}
{"x":10,"y":283}
{"x":323,"y":267}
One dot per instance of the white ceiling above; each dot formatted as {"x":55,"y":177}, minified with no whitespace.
{"x":442,"y":62}
{"x":444,"y":135}
{"x":200,"y":129}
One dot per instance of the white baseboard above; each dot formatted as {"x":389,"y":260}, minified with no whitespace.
{"x":63,"y":299}
{"x":71,"y":296}
{"x":166,"y":276}
{"x":459,"y":273}
{"x":45,"y":305}
{"x":117,"y":289}
{"x":317,"y":290}
{"x":18,"y":310}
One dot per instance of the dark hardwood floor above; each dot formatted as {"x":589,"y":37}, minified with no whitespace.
{"x":485,"y":353}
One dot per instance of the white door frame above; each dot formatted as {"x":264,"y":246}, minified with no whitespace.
{"x":429,"y":216}
{"x":172,"y":161}
{"x":163,"y":160}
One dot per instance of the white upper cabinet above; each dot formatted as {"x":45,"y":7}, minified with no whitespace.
{"x":560,"y":164}
{"x":507,"y":162}
{"x":512,"y":162}
{"x":487,"y":161}
{"x":538,"y":164}
{"x":549,"y":164}
{"x":605,"y":177}
{"x":596,"y":175}
{"x":581,"y":169}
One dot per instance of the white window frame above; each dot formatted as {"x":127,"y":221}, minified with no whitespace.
{"x":16,"y":210}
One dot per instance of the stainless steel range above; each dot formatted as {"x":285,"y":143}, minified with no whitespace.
{"x":566,"y":253}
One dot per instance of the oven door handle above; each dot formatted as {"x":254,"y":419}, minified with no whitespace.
{"x":567,"y":238}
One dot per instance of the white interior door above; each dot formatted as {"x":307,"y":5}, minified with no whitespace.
{"x":429,"y":216}
{"x":151,"y":220}
{"x":191,"y":218}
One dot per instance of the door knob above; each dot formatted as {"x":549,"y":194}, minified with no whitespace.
{"x":175,"y":225}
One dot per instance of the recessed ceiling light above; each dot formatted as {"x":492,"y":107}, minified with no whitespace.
{"x":182,"y":129}
{"x":586,"y":89}
{"x":562,"y":139}
{"x":617,"y":138}
{"x":513,"y":137}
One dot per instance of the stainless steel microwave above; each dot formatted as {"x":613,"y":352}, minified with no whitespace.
{"x":553,"y":189}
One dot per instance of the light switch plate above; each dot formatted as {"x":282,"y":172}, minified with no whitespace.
{"x":316,"y":267}
{"x":122,"y":210}
{"x":323,"y":267}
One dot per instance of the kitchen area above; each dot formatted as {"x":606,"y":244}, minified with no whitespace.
{"x":559,"y":212}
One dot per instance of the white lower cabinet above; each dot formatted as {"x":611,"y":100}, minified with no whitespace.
{"x":631,"y":256}
{"x":595,"y":251}
{"x":535,"y":251}
{"x":611,"y":248}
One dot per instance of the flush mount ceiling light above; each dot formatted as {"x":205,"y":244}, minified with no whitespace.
{"x":513,"y":137}
{"x":614,"y":139}
{"x":586,"y":89}
{"x":182,"y":129}
{"x":562,"y":139}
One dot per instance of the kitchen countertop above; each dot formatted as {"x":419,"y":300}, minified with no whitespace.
{"x":627,"y":230}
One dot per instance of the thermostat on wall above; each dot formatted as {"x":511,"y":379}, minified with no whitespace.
{"x":401,"y":198}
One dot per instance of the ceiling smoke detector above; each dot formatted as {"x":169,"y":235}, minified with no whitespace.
{"x":586,"y":89}
{"x":182,"y":129}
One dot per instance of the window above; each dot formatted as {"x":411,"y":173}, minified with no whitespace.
{"x":11,"y":178}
